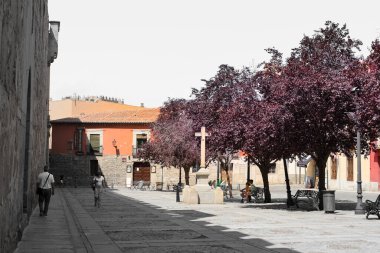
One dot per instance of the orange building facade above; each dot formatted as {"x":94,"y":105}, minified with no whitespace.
{"x":107,"y":142}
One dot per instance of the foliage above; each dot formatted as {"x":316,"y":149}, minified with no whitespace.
{"x":302,"y":105}
{"x":368,"y":77}
{"x":212,"y":108}
{"x":173,"y":142}
{"x":315,"y":88}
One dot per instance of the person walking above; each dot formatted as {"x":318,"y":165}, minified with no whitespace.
{"x":97,"y":186}
{"x":45,"y":183}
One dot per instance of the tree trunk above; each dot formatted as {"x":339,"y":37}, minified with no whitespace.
{"x":289,"y":201}
{"x":321,"y":164}
{"x":264,"y":175}
{"x":228,"y":180}
{"x":187,"y":173}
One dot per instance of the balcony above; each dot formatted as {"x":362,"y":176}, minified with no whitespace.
{"x":135,"y":151}
{"x":96,"y":151}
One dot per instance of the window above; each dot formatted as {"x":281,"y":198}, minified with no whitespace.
{"x":94,"y":142}
{"x":78,"y":141}
{"x":141,"y":139}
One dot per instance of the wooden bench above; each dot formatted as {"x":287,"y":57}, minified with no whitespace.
{"x":310,"y":196}
{"x":175,"y":186}
{"x":257,"y":194}
{"x":141,"y":185}
{"x":372,"y":208}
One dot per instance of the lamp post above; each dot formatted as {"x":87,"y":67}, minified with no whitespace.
{"x":359,"y":208}
{"x":217,"y":172}
{"x":53,"y":41}
{"x":178,"y":186}
{"x":248,"y":168}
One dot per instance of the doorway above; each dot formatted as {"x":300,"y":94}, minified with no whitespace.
{"x":94,"y":167}
{"x":141,"y":171}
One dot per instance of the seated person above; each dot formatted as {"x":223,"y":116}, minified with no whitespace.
{"x":253,"y":190}
{"x":246,"y":193}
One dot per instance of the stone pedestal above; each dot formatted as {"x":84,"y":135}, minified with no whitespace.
{"x":190,"y":195}
{"x":201,"y":193}
{"x":218,"y":196}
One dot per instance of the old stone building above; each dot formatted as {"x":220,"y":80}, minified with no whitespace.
{"x":25,"y":58}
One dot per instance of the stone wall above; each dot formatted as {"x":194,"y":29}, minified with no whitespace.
{"x":77,"y":171}
{"x":115,"y":172}
{"x":24,"y":96}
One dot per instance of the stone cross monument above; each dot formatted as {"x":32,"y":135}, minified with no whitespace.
{"x":202,"y":193}
{"x":203,"y":135}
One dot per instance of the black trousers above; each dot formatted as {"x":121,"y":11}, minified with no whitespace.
{"x":44,"y":200}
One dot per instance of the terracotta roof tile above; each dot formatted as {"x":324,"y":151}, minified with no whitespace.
{"x":126,"y":116}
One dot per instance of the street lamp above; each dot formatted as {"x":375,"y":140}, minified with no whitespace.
{"x":359,"y":203}
{"x":53,"y":41}
{"x":359,"y":208}
{"x":248,"y":169}
{"x":178,"y":186}
{"x":217,"y":172}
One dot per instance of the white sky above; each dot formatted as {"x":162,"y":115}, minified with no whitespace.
{"x":144,"y":51}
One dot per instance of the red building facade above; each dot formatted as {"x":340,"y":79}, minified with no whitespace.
{"x":107,"y":142}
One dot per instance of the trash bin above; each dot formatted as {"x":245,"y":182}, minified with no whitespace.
{"x":329,"y":201}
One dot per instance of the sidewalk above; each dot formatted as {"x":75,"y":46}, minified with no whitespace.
{"x":151,"y":221}
{"x":67,"y":228}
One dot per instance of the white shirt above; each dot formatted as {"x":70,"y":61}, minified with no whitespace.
{"x":98,"y":181}
{"x":42,"y":178}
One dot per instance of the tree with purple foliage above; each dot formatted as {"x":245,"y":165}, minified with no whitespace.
{"x":211,"y":108}
{"x":262,"y":120}
{"x":368,"y":76}
{"x":173,"y":142}
{"x":316,"y":90}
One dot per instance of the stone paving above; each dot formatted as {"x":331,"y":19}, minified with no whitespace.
{"x":151,"y":221}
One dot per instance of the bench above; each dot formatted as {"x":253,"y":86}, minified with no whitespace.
{"x":225,"y":188}
{"x":310,"y":196}
{"x":141,"y":185}
{"x":175,"y":186}
{"x":371,"y":207}
{"x":257,"y":194}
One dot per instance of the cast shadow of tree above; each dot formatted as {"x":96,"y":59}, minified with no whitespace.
{"x":304,"y":205}
{"x":183,"y":230}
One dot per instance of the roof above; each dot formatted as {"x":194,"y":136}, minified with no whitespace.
{"x":74,"y":108}
{"x":125,"y":116}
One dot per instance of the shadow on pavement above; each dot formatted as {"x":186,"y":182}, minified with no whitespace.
{"x":137,"y":226}
{"x":304,"y":206}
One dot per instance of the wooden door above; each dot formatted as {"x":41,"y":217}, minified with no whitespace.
{"x":141,"y":171}
{"x":350,"y":169}
{"x":334,"y":167}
